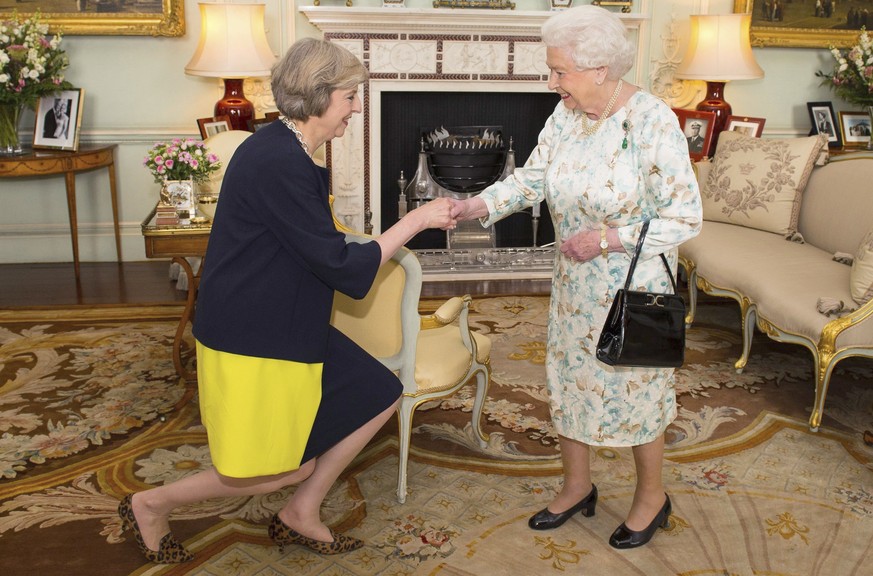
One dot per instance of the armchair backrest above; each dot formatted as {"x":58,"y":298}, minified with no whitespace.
{"x":386,"y":322}
{"x":223,"y":145}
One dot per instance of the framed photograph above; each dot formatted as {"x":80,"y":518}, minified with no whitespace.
{"x":58,"y":120}
{"x":258,"y":123}
{"x":698,"y":127}
{"x":806,"y":24}
{"x":856,"y":128}
{"x":212,"y":126}
{"x":823,"y":119}
{"x":272,"y":116}
{"x":105,"y":17}
{"x":745,"y":125}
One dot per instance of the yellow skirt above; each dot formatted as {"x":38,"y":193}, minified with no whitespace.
{"x":258,"y":412}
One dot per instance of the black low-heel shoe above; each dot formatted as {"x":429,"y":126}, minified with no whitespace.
{"x":546,"y":520}
{"x":624,"y":538}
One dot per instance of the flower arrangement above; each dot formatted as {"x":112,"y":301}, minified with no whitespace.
{"x":31,"y":64}
{"x":852,"y":77}
{"x":180,"y":159}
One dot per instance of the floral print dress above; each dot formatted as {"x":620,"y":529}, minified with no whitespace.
{"x":636,"y":167}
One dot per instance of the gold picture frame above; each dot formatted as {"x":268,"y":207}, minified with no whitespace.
{"x":799,"y":30}
{"x":107,"y":18}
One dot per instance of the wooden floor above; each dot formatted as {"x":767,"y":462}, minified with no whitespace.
{"x":149,"y":283}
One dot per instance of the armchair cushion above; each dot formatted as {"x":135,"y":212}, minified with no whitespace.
{"x":757,"y":183}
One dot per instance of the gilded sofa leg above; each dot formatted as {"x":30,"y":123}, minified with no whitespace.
{"x":691,"y":271}
{"x":483,"y":379}
{"x":404,"y":429}
{"x":692,"y":297}
{"x":825,"y":360}
{"x":748,"y":314}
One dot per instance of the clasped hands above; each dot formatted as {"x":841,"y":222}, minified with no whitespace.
{"x":583,"y":246}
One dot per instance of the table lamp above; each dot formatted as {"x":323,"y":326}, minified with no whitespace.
{"x":719,"y":50}
{"x":233,"y":46}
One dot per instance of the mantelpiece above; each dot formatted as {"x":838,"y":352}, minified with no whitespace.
{"x":428,"y":50}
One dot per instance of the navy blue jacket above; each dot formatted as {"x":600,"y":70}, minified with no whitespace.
{"x":274,"y":257}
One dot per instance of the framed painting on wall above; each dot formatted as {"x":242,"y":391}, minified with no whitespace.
{"x":105,"y":17}
{"x":58,"y":120}
{"x":809,"y":24}
{"x":698,"y":127}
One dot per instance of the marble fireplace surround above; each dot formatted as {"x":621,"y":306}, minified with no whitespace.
{"x":426,"y":50}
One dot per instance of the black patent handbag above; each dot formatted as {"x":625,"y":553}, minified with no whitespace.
{"x":644,"y":329}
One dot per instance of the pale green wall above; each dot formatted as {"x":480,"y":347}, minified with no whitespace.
{"x":137,"y":92}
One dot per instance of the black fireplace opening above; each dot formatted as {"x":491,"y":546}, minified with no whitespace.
{"x":521,"y":116}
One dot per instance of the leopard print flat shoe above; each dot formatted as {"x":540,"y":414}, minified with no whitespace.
{"x":282,"y":536}
{"x":170,"y":550}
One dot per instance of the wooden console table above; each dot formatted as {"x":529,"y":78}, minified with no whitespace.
{"x":53,"y":163}
{"x":179,"y":243}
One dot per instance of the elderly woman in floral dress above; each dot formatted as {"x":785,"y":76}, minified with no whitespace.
{"x":609,"y":158}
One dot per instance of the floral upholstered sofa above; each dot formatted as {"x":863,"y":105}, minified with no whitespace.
{"x":788,"y":234}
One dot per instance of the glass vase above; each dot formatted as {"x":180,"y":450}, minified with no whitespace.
{"x":10,"y":116}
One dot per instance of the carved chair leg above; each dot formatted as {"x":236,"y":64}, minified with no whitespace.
{"x":483,"y":379}
{"x":405,"y":411}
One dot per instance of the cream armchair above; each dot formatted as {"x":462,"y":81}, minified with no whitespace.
{"x":223,"y":145}
{"x":433,"y":355}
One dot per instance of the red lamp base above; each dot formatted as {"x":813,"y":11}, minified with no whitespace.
{"x":235,"y":105}
{"x":714,"y":102}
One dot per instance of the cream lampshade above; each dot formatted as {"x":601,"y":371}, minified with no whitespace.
{"x":719,"y":50}
{"x":233,"y":46}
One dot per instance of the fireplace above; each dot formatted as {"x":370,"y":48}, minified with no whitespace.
{"x":520,"y":116}
{"x":486,"y":58}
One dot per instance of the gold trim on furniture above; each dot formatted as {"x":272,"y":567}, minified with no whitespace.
{"x":785,"y":37}
{"x":169,"y":22}
{"x":825,"y":354}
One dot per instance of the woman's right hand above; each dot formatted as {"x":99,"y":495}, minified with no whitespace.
{"x":436,"y":214}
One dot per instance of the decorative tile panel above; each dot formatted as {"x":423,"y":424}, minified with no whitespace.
{"x":475,"y":57}
{"x":403,"y":56}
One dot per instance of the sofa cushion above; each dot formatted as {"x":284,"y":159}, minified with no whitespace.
{"x":784,"y":279}
{"x":836,"y":210}
{"x":757,"y":183}
{"x":861,"y":277}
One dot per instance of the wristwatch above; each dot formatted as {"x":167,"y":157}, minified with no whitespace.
{"x":604,"y":245}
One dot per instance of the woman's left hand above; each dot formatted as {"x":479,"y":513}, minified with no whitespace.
{"x":583,"y":246}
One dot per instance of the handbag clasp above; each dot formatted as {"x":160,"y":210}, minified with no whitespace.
{"x":655,"y":300}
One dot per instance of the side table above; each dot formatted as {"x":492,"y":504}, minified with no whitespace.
{"x":52,"y":163}
{"x":179,"y":243}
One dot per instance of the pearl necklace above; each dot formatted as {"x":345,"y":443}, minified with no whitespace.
{"x":293,"y":127}
{"x":587,"y":128}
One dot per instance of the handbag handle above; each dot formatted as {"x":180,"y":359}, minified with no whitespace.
{"x":633,"y":264}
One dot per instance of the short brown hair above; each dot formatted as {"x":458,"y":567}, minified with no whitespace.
{"x":304,"y":78}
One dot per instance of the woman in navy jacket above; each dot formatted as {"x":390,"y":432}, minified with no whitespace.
{"x":285,"y":397}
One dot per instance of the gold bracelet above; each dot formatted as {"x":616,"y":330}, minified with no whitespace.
{"x":604,"y":244}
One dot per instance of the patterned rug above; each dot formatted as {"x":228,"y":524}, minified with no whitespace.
{"x":91,"y":409}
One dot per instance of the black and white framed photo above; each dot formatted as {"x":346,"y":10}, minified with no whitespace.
{"x":823,"y":119}
{"x":214,"y":125}
{"x":58,"y":120}
{"x":698,"y":126}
